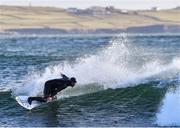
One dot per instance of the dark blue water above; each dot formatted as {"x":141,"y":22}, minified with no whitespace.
{"x":122,"y":80}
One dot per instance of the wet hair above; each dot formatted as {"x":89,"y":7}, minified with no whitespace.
{"x":73,"y":79}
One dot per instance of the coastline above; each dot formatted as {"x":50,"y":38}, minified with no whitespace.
{"x":48,"y":20}
{"x":144,"y":29}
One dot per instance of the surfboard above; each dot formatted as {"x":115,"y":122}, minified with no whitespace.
{"x":22,"y":100}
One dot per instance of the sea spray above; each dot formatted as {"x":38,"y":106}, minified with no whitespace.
{"x":106,"y":67}
{"x":119,"y":64}
{"x":154,"y":60}
{"x":169,"y":113}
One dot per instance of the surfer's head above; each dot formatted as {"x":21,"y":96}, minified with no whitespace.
{"x":72,"y":81}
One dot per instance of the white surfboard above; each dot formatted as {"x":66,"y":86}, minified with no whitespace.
{"x":22,"y":100}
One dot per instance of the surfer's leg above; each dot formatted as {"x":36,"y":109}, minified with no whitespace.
{"x":47,"y":90}
{"x":40,"y":99}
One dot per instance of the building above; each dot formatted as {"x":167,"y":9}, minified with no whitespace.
{"x":155,"y":9}
{"x":72,"y":10}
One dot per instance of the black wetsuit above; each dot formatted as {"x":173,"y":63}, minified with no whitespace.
{"x":51,"y":88}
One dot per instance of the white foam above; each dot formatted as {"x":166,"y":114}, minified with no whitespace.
{"x":114,"y":66}
{"x":169,"y":111}
{"x":111,"y":67}
{"x":169,"y":114}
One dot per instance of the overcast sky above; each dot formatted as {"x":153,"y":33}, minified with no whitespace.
{"x":122,"y":4}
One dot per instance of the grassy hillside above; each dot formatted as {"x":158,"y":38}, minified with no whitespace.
{"x":42,"y":17}
{"x":164,"y":15}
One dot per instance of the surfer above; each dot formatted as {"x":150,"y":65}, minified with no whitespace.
{"x":52,"y":87}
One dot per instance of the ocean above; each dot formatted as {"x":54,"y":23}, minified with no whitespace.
{"x":124,"y":80}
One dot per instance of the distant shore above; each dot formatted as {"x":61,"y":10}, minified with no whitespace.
{"x":46,"y":20}
{"x":144,"y":29}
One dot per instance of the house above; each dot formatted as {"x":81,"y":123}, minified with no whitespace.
{"x":155,"y":9}
{"x":72,"y":10}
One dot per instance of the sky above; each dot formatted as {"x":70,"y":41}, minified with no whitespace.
{"x":121,"y":4}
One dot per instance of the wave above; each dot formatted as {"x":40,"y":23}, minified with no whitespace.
{"x":121,"y":64}
{"x":123,"y":71}
{"x":131,"y":97}
{"x":126,"y":104}
{"x":118,"y":65}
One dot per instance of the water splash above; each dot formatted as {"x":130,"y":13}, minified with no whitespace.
{"x":169,"y":114}
{"x":120,"y":64}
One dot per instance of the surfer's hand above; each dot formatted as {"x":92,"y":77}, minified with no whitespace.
{"x":49,"y":98}
{"x":62,"y":74}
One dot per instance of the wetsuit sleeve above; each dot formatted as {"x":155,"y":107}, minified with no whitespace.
{"x":64,"y":77}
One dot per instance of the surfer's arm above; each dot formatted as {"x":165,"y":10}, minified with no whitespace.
{"x":64,"y":77}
